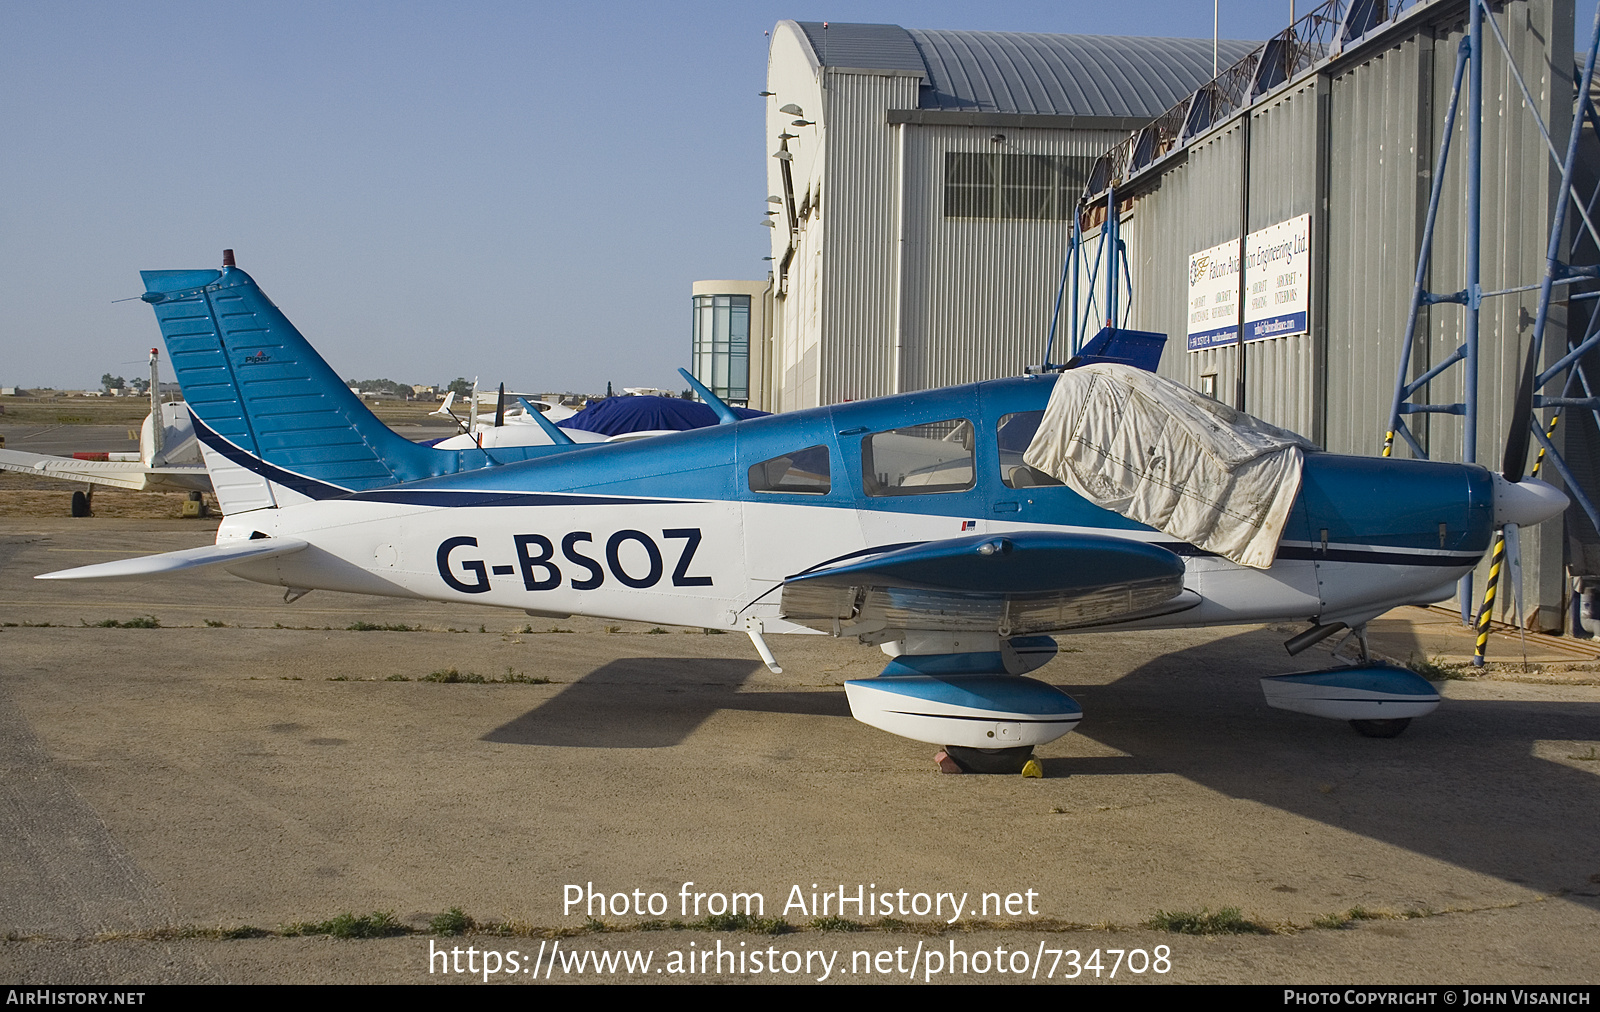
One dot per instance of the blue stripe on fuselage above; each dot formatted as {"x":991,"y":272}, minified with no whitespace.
{"x":1360,"y":501}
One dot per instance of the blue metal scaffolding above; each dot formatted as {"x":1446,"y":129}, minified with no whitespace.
{"x":1565,"y":373}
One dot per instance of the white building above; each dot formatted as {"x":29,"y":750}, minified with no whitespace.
{"x":923,"y":183}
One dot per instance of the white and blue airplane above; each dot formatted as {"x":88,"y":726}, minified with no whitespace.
{"x":908,"y":522}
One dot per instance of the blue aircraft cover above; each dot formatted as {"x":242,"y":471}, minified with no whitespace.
{"x":615,"y":416}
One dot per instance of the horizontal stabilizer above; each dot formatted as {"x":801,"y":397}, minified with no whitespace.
{"x":129,"y":474}
{"x":1138,"y":348}
{"x":173,"y":562}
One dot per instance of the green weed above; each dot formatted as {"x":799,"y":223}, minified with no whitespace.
{"x":244,"y":931}
{"x":378,"y":924}
{"x":379,"y":627}
{"x":1437,"y":670}
{"x":451,"y":922}
{"x":743,"y":922}
{"x":1227,"y":921}
{"x":143,"y":622}
{"x":453,"y":675}
{"x":833,"y":923}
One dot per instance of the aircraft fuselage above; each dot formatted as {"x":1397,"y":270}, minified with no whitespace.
{"x":700,"y":528}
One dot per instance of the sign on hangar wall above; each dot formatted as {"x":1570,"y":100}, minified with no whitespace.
{"x":1277,"y":286}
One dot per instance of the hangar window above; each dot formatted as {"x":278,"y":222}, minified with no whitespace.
{"x":936,"y":457}
{"x":720,"y":345}
{"x":804,"y":471}
{"x":1013,"y":436}
{"x":1025,"y":187}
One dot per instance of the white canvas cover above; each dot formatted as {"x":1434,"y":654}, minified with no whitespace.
{"x":1167,"y":456}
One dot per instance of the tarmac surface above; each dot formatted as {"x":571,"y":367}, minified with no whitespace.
{"x":251,"y":763}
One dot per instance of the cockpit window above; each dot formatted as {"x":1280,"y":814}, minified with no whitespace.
{"x":804,"y":471}
{"x":1013,"y":436}
{"x":936,"y":457}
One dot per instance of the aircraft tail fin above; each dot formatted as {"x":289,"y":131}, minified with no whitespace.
{"x":262,"y":396}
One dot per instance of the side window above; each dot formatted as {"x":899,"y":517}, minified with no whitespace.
{"x":804,"y":471}
{"x":936,"y":457}
{"x":1013,"y":436}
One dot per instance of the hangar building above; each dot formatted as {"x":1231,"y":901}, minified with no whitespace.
{"x":923,"y":186}
{"x":923,"y":181}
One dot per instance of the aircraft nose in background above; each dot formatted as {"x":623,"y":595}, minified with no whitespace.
{"x":1526,"y":502}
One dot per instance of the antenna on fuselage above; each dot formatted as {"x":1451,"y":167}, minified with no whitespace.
{"x":725,"y":415}
{"x":557,"y":435}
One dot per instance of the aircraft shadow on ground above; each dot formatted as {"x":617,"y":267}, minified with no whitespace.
{"x":1463,"y":785}
{"x":653,"y":702}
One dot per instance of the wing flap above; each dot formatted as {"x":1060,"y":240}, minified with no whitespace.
{"x":231,"y":552}
{"x":1016,"y":584}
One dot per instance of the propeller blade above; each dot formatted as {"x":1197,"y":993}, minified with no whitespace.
{"x":500,"y":408}
{"x":1515,"y":462}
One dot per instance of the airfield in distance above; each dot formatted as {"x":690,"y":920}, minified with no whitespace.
{"x":252,"y":764}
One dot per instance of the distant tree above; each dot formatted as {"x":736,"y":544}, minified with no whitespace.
{"x":382,"y":386}
{"x":141,"y":386}
{"x":461,"y":387}
{"x":109,"y":382}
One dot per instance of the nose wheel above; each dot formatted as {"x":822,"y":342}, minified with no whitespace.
{"x":984,"y":760}
{"x":1381,"y":728}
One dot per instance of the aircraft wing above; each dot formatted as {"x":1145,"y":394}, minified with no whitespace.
{"x":129,"y":474}
{"x":233,"y":552}
{"x":1014,"y":584}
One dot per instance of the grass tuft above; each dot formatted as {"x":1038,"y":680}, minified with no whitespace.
{"x":244,"y":931}
{"x":378,"y":924}
{"x":1227,"y":921}
{"x":143,"y":622}
{"x":835,"y":923}
{"x":397,"y":678}
{"x":451,"y":922}
{"x":1436,"y":670}
{"x":657,"y":631}
{"x":453,"y":675}
{"x":214,"y":624}
{"x":743,"y":922}
{"x":381,"y":627}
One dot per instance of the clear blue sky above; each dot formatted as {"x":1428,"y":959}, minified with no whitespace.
{"x":520,"y":191}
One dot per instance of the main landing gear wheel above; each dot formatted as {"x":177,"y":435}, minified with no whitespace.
{"x":990,"y":760}
{"x":1381,"y":728}
{"x":81,"y":505}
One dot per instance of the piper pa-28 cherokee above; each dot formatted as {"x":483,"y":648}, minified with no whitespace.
{"x":957,"y":529}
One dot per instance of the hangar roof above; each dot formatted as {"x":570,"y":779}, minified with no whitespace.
{"x":1028,"y":73}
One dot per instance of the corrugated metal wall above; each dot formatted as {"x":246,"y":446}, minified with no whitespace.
{"x":978,"y":293}
{"x":1367,"y":130}
{"x":1352,"y":145}
{"x":858,"y":203}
